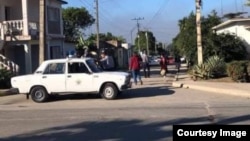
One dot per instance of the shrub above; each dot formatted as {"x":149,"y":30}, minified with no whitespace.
{"x":213,"y":67}
{"x":239,"y":70}
{"x":5,"y":76}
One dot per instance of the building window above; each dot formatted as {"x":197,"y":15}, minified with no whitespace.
{"x":77,"y":67}
{"x":55,"y":68}
{"x":54,"y":24}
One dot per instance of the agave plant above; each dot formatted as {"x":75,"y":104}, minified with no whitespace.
{"x":202,"y":71}
{"x":217,"y":65}
{"x":213,"y":66}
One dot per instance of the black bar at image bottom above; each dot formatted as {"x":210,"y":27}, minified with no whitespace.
{"x":211,"y":132}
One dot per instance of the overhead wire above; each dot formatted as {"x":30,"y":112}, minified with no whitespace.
{"x":159,"y":11}
{"x":90,"y":8}
{"x":107,"y":20}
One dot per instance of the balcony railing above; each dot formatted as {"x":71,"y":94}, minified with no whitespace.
{"x":15,"y":27}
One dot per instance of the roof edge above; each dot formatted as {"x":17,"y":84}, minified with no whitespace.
{"x":230,"y":21}
{"x":63,"y":2}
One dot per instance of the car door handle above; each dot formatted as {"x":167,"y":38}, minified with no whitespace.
{"x":69,"y":76}
{"x":44,"y":77}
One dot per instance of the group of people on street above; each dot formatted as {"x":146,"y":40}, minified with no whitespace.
{"x":142,"y":61}
{"x":138,"y":62}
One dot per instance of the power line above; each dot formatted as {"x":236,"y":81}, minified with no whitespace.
{"x":236,"y":6}
{"x":221,"y":8}
{"x":158,"y":12}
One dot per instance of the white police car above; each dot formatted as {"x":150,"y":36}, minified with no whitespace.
{"x":71,"y":75}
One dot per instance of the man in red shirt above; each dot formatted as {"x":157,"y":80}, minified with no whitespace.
{"x":134,"y":67}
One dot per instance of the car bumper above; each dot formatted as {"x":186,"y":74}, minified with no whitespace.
{"x":14,"y":90}
{"x":126,"y":86}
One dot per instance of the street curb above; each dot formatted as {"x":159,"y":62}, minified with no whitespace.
{"x":229,"y":91}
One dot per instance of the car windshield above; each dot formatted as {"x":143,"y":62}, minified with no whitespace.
{"x":93,"y":66}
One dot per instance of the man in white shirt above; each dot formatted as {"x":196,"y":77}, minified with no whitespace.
{"x":145,"y":64}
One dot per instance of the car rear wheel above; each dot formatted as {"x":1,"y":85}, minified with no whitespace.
{"x":39,"y":94}
{"x":109,"y":91}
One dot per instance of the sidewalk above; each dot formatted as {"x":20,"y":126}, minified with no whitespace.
{"x":236,"y":89}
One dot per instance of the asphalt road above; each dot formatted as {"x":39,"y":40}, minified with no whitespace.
{"x":144,"y":113}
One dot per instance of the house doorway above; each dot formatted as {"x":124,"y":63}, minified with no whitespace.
{"x":34,"y":57}
{"x":19,"y":55}
{"x":7,"y":13}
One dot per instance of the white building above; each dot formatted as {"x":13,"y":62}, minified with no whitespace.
{"x":19,"y":33}
{"x":239,"y":27}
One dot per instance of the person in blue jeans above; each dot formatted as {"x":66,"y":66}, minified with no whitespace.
{"x":134,"y":67}
{"x":145,"y":64}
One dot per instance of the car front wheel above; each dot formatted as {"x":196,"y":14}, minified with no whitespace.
{"x":109,"y":91}
{"x":39,"y":94}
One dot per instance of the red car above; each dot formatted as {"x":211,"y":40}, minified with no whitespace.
{"x":170,"y":60}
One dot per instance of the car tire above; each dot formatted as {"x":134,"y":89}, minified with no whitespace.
{"x":39,"y":94}
{"x":109,"y":91}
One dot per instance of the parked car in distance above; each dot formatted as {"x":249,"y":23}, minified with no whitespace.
{"x":68,"y":76}
{"x":171,"y":60}
{"x":154,"y":60}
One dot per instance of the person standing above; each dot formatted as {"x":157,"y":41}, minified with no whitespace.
{"x":177,"y":62}
{"x":145,"y":64}
{"x":107,"y":62}
{"x":134,"y":67}
{"x":163,"y":64}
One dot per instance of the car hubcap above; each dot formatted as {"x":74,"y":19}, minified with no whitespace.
{"x":109,"y":92}
{"x":38,"y":94}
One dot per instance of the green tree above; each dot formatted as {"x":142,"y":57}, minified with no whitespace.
{"x":145,"y":37}
{"x":226,"y":46}
{"x":75,"y":20}
{"x":229,"y":47}
{"x":185,"y":42}
{"x":107,"y":37}
{"x":248,"y":3}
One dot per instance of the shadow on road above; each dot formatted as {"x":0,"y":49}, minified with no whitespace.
{"x":116,"y":130}
{"x":147,"y":92}
{"x":131,"y":93}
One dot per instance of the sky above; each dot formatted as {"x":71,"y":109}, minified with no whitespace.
{"x":158,"y":16}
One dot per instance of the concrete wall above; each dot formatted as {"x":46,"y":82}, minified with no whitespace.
{"x":15,"y":9}
{"x":33,"y":11}
{"x":68,"y":47}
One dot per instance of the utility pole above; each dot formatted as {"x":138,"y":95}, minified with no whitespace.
{"x":42,"y":29}
{"x":137,"y":23}
{"x":147,"y":42}
{"x":97,"y":26}
{"x":138,"y":30}
{"x":198,"y":28}
{"x":155,"y":47}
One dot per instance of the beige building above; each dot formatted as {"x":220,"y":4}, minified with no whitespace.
{"x":19,"y":33}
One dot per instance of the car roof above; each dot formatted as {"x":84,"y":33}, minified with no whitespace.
{"x":66,"y":59}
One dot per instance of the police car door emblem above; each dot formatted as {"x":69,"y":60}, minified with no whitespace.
{"x":78,"y":82}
